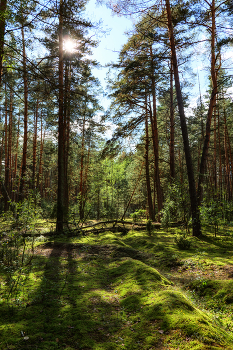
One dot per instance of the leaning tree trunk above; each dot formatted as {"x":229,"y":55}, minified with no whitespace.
{"x":192,"y":189}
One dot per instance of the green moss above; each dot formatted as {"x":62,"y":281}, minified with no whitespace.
{"x":110,"y":292}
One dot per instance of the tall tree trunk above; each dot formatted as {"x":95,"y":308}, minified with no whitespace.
{"x":6,"y":204}
{"x":228,"y":172}
{"x":3,"y":4}
{"x":9,"y":160}
{"x":192,"y":189}
{"x":148,"y":186}
{"x":66,"y":139}
{"x":155,"y":138}
{"x":61,"y":175}
{"x":230,"y":165}
{"x":215,"y":153}
{"x":172,"y":123}
{"x":136,"y":184}
{"x":25,"y":136}
{"x":1,"y":151}
{"x":16,"y":163}
{"x":34,"y":147}
{"x":211,"y":106}
{"x":39,"y":174}
{"x":81,"y":199}
{"x":85,"y":178}
{"x":220,"y":159}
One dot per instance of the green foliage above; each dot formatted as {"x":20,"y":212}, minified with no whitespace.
{"x":176,"y":206}
{"x":215,"y":212}
{"x":182,"y":242}
{"x":138,"y":215}
{"x":27,"y":212}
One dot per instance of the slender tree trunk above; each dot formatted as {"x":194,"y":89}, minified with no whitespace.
{"x":98,"y":203}
{"x":81,"y":209}
{"x":220,"y":158}
{"x":3,"y":4}
{"x":155,"y":138}
{"x":2,"y":145}
{"x":25,"y":137}
{"x":192,"y":189}
{"x":66,"y":139}
{"x":16,"y":164}
{"x":215,"y":153}
{"x":39,"y":175}
{"x":61,"y":175}
{"x":172,"y":124}
{"x":6,"y":204}
{"x":34,"y":147}
{"x":228,"y":176}
{"x":231,"y":164}
{"x":211,"y":106}
{"x":85,"y":179}
{"x":148,"y":186}
{"x":9,"y":160}
{"x":136,"y":184}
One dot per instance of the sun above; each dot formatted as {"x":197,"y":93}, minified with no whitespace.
{"x":69,"y":45}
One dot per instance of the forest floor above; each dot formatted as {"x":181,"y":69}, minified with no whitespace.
{"x":119,"y":291}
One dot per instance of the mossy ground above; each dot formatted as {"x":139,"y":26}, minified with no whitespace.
{"x":116,"y":291}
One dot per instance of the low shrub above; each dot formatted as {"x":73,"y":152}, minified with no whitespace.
{"x":182,"y":242}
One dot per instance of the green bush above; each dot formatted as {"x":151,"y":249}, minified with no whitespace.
{"x":183,"y":242}
{"x":138,"y":215}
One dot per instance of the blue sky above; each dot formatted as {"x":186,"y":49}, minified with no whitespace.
{"x":112,"y":41}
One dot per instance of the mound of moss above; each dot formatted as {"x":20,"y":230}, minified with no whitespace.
{"x":102,"y":297}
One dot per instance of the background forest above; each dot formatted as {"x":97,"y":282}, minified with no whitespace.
{"x":53,"y":151}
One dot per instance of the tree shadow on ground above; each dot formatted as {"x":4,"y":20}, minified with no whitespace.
{"x":92,"y":297}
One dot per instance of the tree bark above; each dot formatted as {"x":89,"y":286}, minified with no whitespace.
{"x":6,"y":205}
{"x":172,"y":124}
{"x":192,"y":189}
{"x":155,"y":138}
{"x":61,"y":175}
{"x":34,"y":147}
{"x":25,"y":137}
{"x":66,"y":116}
{"x":148,"y":186}
{"x":9,"y":160}
{"x":211,"y":107}
{"x":39,"y":175}
{"x":3,"y":5}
